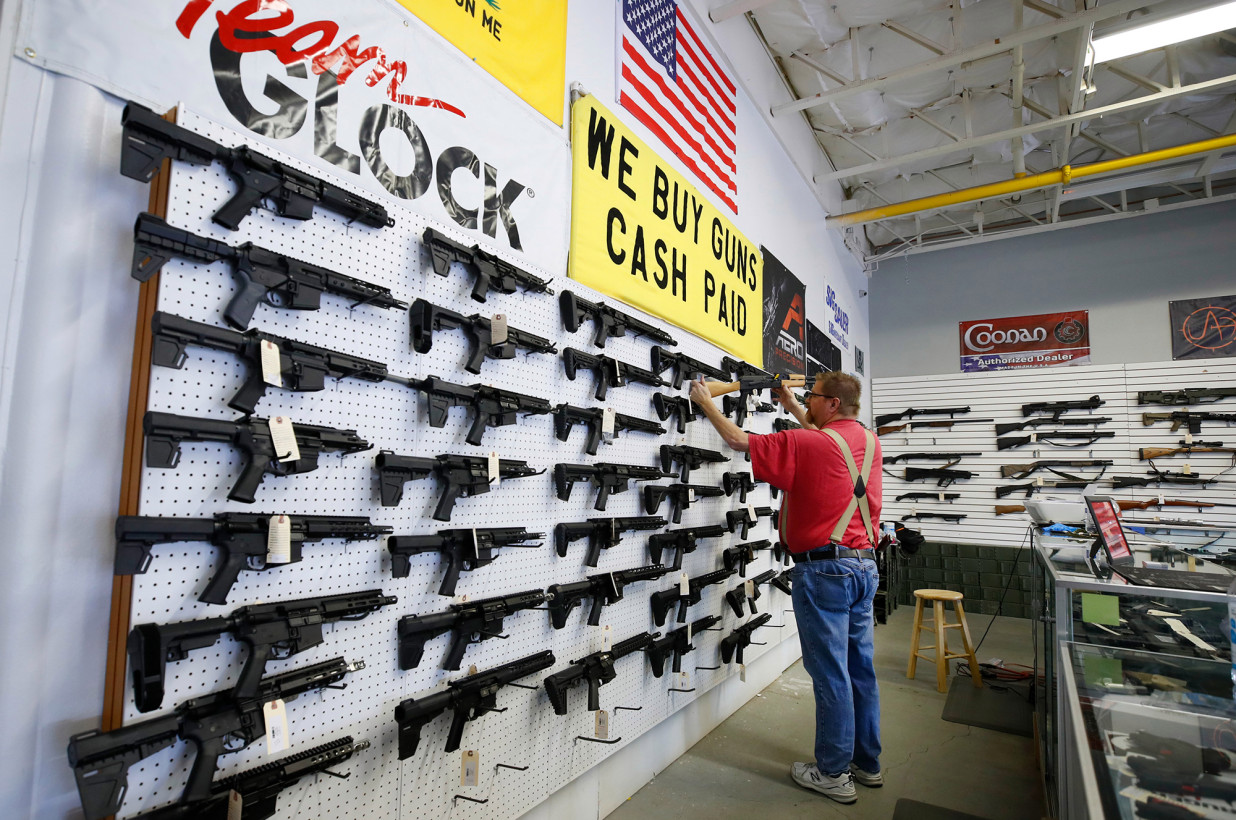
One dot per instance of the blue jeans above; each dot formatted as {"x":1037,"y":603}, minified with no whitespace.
{"x":833,"y":605}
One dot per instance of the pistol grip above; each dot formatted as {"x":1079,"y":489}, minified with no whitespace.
{"x":221,"y":584}
{"x":251,"y":291}
{"x":446,"y":503}
{"x":250,"y":393}
{"x":251,"y":475}
{"x":451,"y":577}
{"x":238,"y":207}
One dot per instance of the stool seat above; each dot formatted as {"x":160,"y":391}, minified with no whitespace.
{"x":939,"y":624}
{"x":938,"y":595}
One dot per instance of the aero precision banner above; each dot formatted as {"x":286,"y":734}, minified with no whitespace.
{"x":643,"y":234}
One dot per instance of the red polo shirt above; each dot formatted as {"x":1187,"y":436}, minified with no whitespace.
{"x":809,"y":468}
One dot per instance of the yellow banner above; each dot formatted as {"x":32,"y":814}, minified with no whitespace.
{"x":521,"y":42}
{"x":643,"y":234}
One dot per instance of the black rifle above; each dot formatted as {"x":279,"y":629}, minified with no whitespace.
{"x":461,"y":476}
{"x":566,"y":416}
{"x":689,"y":458}
{"x":681,"y":406}
{"x":303,"y":368}
{"x":739,"y":407}
{"x":1086,"y":438}
{"x":597,"y":669}
{"x":683,"y":540}
{"x":1163,"y":477}
{"x":490,"y":406}
{"x":943,"y":477}
{"x":609,"y":371}
{"x":149,"y":139}
{"x":242,"y":538}
{"x":260,"y":274}
{"x":740,"y":638}
{"x":607,"y":478}
{"x":1025,"y":470}
{"x":910,"y":413}
{"x":279,"y":630}
{"x":213,"y":725}
{"x":742,"y":482}
{"x":744,"y":522}
{"x":662,"y":601}
{"x":464,"y":550}
{"x":426,"y":318}
{"x":602,"y":533}
{"x":1029,"y":424}
{"x":950,"y":458}
{"x":681,"y":496}
{"x":488,"y":271}
{"x":781,"y":425}
{"x":1056,"y":408}
{"x":1184,"y":418}
{"x":609,"y":322}
{"x":252,"y":436}
{"x":1189,"y":395}
{"x":259,"y":788}
{"x":677,"y":642}
{"x":604,"y":589}
{"x":472,"y":622}
{"x":1028,"y":489}
{"x":784,"y":582}
{"x":737,"y":557}
{"x":736,"y":596}
{"x":935,"y":496}
{"x":468,"y":698}
{"x":684,"y":366}
{"x":951,"y":518}
{"x":742,"y":370}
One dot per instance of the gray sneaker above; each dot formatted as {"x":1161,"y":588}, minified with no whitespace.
{"x":872,"y":780}
{"x":839,"y":787}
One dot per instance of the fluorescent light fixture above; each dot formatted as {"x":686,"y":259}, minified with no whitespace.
{"x":1165,"y":32}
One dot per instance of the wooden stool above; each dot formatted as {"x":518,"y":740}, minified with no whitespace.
{"x":939,"y":624}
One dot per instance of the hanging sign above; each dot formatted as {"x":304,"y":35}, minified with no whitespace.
{"x":1203,"y":328}
{"x":822,"y":354}
{"x":785,"y":348}
{"x":1045,"y":340}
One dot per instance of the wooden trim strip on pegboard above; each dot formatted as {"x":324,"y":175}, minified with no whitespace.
{"x":131,"y":470}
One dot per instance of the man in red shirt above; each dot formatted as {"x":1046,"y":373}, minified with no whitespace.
{"x":829,"y":521}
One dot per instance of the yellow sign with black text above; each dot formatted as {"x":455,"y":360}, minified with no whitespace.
{"x":520,"y":42}
{"x":643,"y":234}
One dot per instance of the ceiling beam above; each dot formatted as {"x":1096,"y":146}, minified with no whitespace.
{"x":1044,"y":8}
{"x":725,"y":11}
{"x":915,"y":37}
{"x":820,"y":67}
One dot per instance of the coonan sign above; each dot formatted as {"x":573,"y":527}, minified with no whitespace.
{"x":1025,"y":341}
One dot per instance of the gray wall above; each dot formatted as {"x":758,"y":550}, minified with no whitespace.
{"x":1123,"y":272}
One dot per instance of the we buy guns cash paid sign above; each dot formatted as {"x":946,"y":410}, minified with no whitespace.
{"x":1045,"y":340}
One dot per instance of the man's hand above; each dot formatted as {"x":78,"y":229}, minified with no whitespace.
{"x":700,"y":393}
{"x":782,"y":394}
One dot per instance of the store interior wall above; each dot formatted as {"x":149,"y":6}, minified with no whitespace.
{"x":1123,"y":272}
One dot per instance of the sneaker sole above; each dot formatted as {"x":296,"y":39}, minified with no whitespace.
{"x":853,"y":798}
{"x":871,"y":784}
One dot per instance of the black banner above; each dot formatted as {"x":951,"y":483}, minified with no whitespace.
{"x":822,"y":354}
{"x":1203,"y":328}
{"x":784,"y":319}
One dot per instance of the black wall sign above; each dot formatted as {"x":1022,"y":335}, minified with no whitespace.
{"x":1202,"y":328}
{"x":785,"y":340}
{"x":822,"y":354}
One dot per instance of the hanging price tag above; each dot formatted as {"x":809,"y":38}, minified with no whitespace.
{"x":607,"y":638}
{"x":618,"y":374}
{"x":608,"y":419}
{"x":272,"y":371}
{"x":751,"y":402}
{"x":684,"y":680}
{"x":279,"y":540}
{"x":235,"y":806}
{"x":497,"y":329}
{"x":276,"y":715}
{"x":684,"y":585}
{"x":1188,"y":438}
{"x":1186,"y":469}
{"x":942,"y":498}
{"x":469,"y":763}
{"x":602,"y":727}
{"x":1161,"y":499}
{"x":748,"y":589}
{"x":688,"y":632}
{"x":751,"y":516}
{"x":1038,"y":481}
{"x":495,"y":469}
{"x":742,"y":672}
{"x":690,"y":495}
{"x":913,"y":510}
{"x":283,"y":436}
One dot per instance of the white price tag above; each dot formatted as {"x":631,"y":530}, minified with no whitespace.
{"x":283,"y":436}
{"x":1161,"y":499}
{"x":684,"y":680}
{"x":688,"y":628}
{"x":495,"y":469}
{"x":1038,"y":481}
{"x":742,"y":672}
{"x":618,"y":373}
{"x":748,"y":589}
{"x":1034,"y":438}
{"x":235,"y":805}
{"x":751,"y":516}
{"x":942,"y":498}
{"x":272,"y":370}
{"x":468,"y":766}
{"x":1188,"y":438}
{"x":913,"y":510}
{"x":276,"y":715}
{"x":1186,"y":469}
{"x":684,"y":584}
{"x":608,"y":419}
{"x":497,"y":329}
{"x":279,"y":540}
{"x":751,"y":402}
{"x":602,"y":727}
{"x":607,"y":638}
{"x":690,"y":495}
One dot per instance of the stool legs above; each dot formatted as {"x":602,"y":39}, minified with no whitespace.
{"x":941,"y":647}
{"x":975,"y":675}
{"x":918,"y":626}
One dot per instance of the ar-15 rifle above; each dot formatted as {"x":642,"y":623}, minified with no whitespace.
{"x":597,"y":669}
{"x":934,"y":496}
{"x":690,"y":458}
{"x":1013,"y":427}
{"x":607,"y":478}
{"x":609,"y":371}
{"x":490,"y":406}
{"x":740,"y":638}
{"x":748,"y":591}
{"x":750,"y":384}
{"x":604,"y":589}
{"x":1184,"y":418}
{"x":461,"y":476}
{"x":277,"y":630}
{"x":684,"y":366}
{"x":213,"y":725}
{"x":681,"y":496}
{"x":666,"y":598}
{"x":681,"y":406}
{"x":743,"y":521}
{"x":609,"y":322}
{"x":259,"y":273}
{"x":683,"y":541}
{"x":252,"y":436}
{"x":1189,"y":395}
{"x":244,"y":539}
{"x":602,"y":533}
{"x":302,"y":368}
{"x":468,"y":698}
{"x":943,"y":477}
{"x":1056,"y":408}
{"x":259,"y":788}
{"x":488,"y":271}
{"x":949,"y":458}
{"x":149,"y":139}
{"x":677,"y":642}
{"x":1028,"y":489}
{"x":464,"y":550}
{"x":910,"y":413}
{"x":472,"y":622}
{"x":486,"y":344}
{"x":567,"y":416}
{"x":1185,"y":448}
{"x":1026,"y":470}
{"x":742,"y":482}
{"x":951,"y":518}
{"x":1052,"y":437}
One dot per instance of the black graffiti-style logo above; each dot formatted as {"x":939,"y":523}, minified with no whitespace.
{"x":1069,"y":331}
{"x":1210,"y":328}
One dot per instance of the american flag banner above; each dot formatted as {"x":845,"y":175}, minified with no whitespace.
{"x":679,"y":91}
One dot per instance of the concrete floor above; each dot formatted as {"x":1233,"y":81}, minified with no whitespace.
{"x":741,"y":769}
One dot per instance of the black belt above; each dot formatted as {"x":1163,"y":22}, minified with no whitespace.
{"x":830,"y":552}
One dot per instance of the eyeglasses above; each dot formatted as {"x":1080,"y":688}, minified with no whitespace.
{"x":821,"y":395}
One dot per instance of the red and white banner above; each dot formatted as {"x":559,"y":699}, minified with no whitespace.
{"x":1045,"y":340}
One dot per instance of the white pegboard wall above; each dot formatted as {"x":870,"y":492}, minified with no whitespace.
{"x":392,"y":417}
